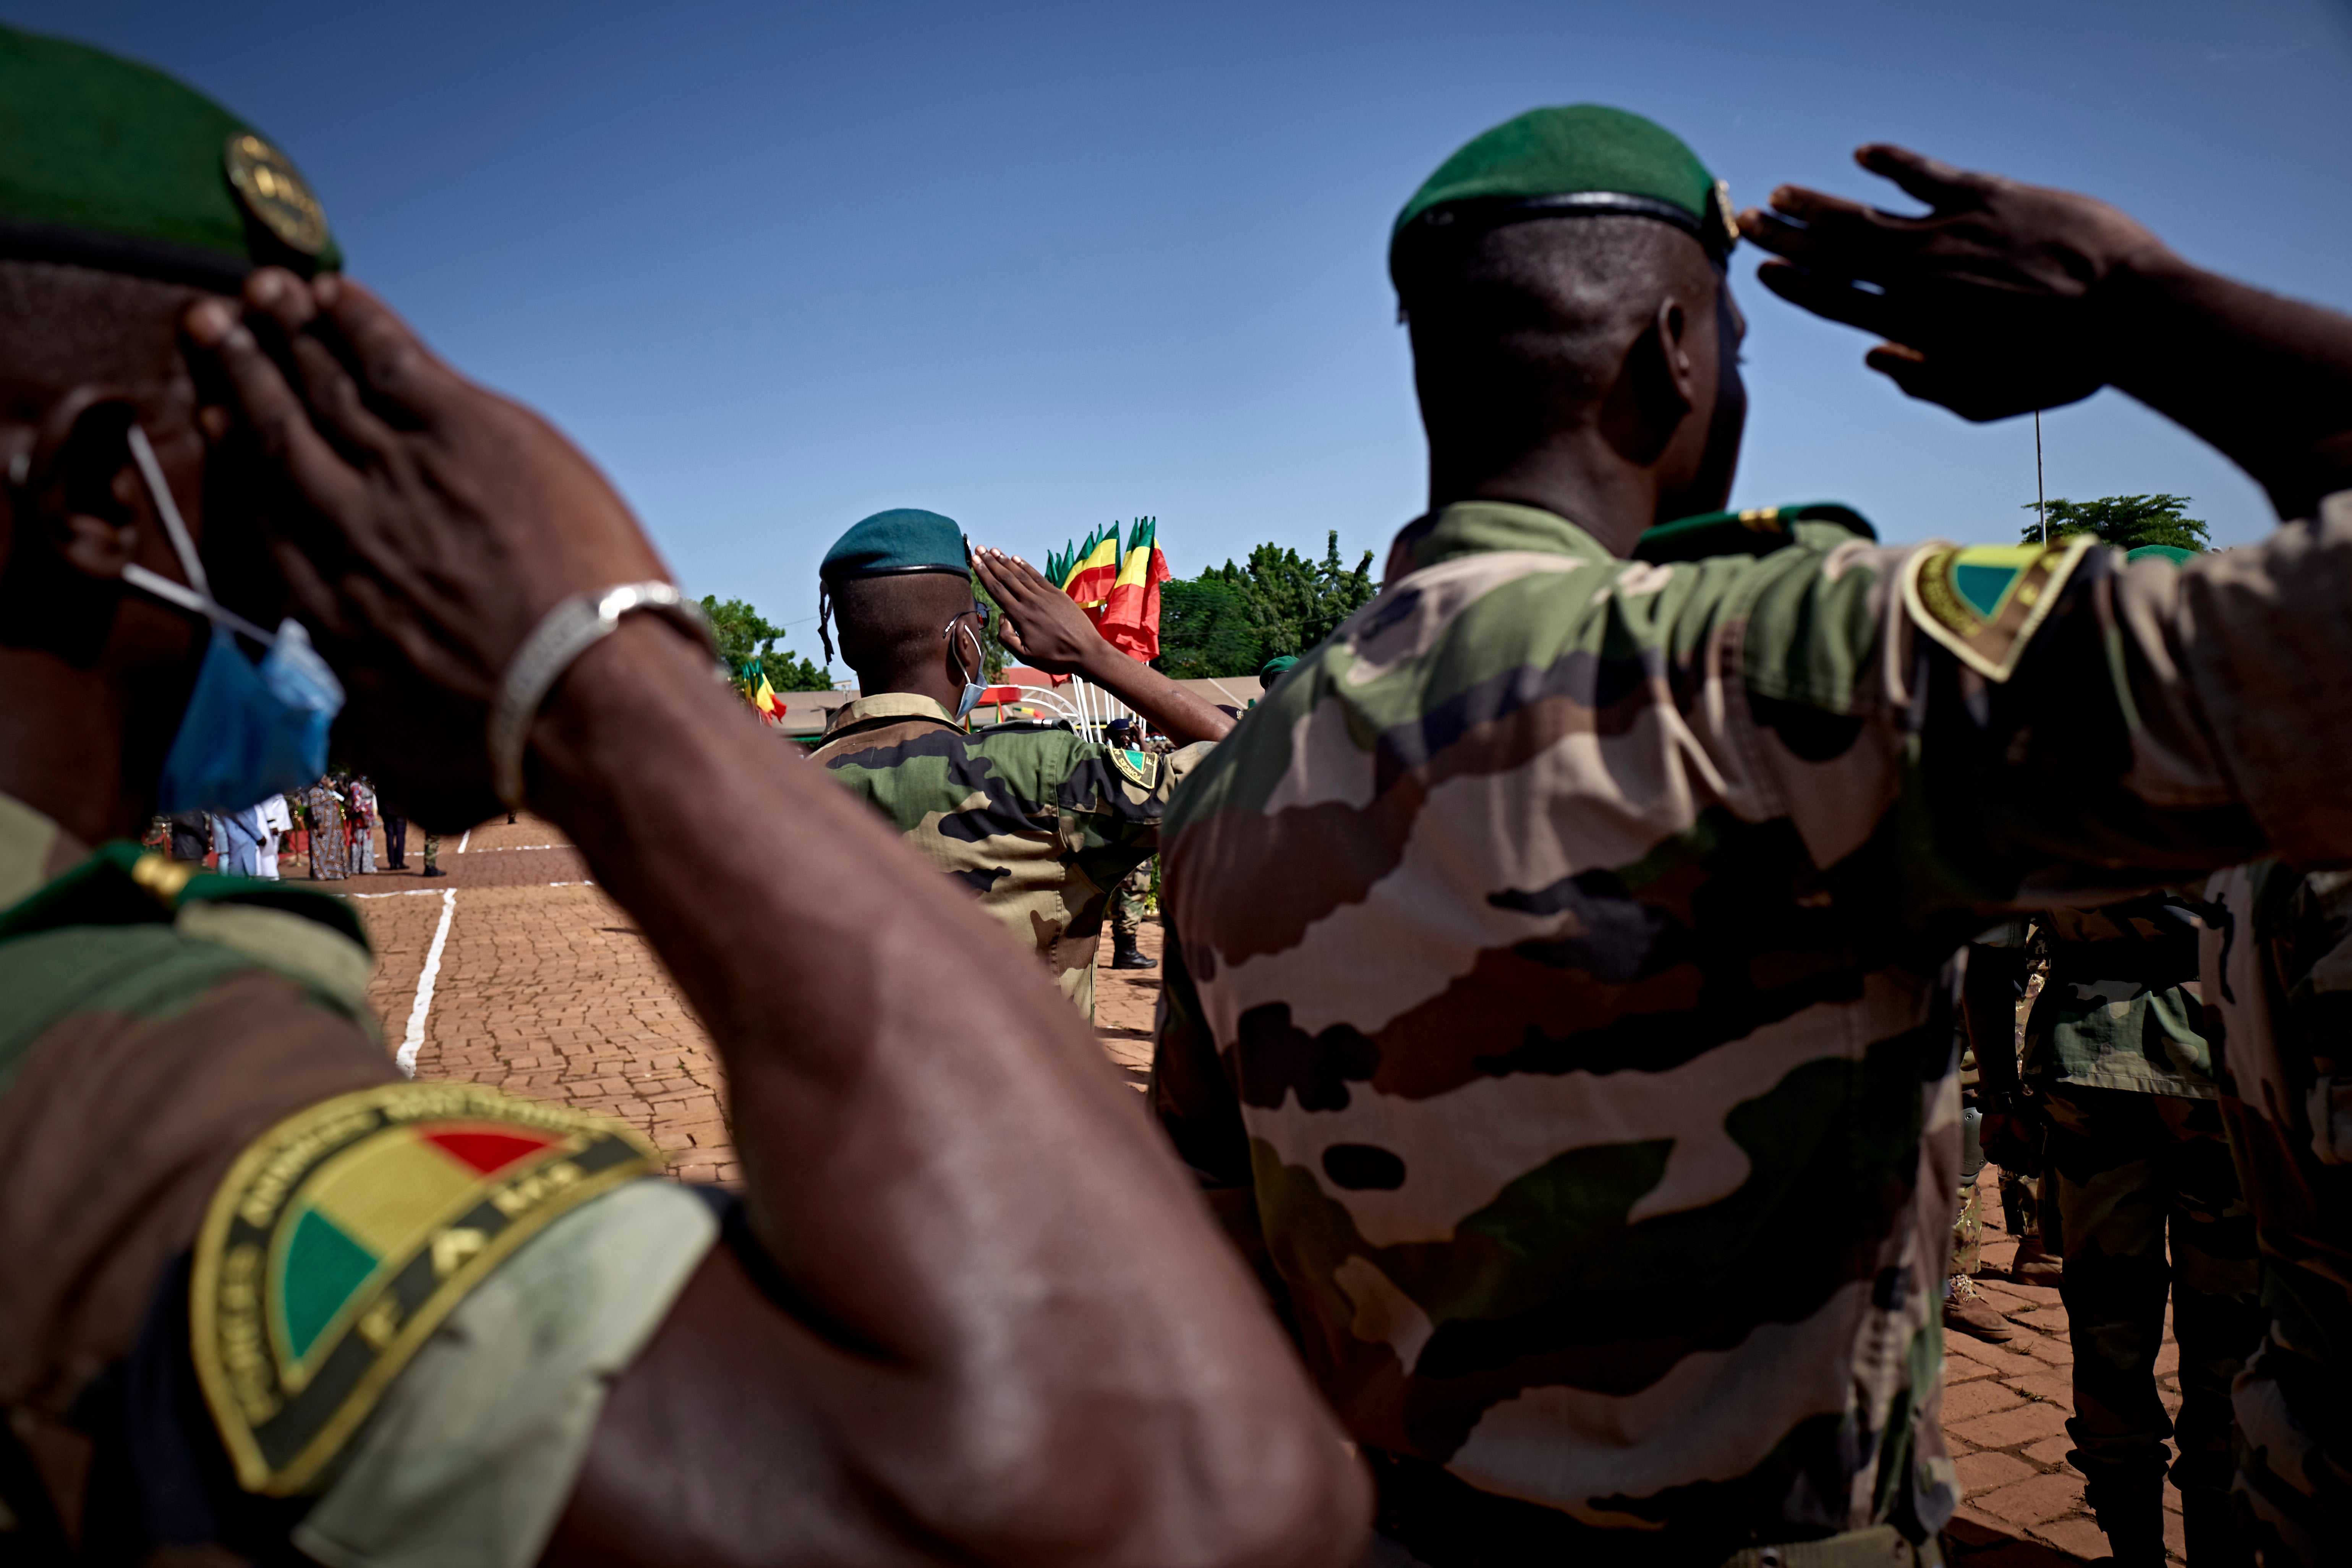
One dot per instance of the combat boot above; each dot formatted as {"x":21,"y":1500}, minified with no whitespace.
{"x":1966,"y":1311}
{"x":2034,"y":1265}
{"x":1126,"y":954}
{"x":2130,"y":1511}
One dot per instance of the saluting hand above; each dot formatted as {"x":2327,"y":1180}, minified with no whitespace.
{"x":1041,"y":623}
{"x":424,"y":523}
{"x":1990,"y":302}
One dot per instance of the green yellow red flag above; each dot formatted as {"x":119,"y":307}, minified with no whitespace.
{"x":1092,"y":575}
{"x":1131,"y":614}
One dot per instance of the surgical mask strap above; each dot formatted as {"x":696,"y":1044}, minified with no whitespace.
{"x":142,"y":453}
{"x":198,"y":594}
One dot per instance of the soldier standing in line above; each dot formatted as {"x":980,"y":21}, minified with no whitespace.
{"x":1040,"y":823}
{"x":2276,"y":957}
{"x":1550,"y":1005}
{"x":1126,"y":900}
{"x":2134,"y":1155}
{"x":265,"y":1299}
{"x":433,"y":853}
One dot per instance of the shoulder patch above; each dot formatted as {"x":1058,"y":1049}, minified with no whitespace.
{"x":343,"y":1236}
{"x":1985,"y":601}
{"x":1140,"y":768}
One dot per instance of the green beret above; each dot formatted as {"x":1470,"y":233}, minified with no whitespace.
{"x":1582,"y":158}
{"x":1273,"y":669}
{"x":2172,"y":552}
{"x":901,"y":541}
{"x":108,"y":164}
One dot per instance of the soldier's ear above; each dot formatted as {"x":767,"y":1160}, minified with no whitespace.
{"x":79,"y":489}
{"x":71,"y":525}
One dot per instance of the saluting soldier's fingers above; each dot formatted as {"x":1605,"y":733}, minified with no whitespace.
{"x":277,"y":417}
{"x":337,"y":409}
{"x":1831,"y":296}
{"x":1937,"y":182}
{"x":1004,"y":579}
{"x":392,"y":360}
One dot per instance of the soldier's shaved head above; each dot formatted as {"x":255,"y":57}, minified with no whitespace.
{"x":64,"y":326}
{"x":889,"y":628}
{"x":1613,"y":333}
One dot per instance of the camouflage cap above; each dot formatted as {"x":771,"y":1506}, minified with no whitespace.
{"x":1581,"y":159}
{"x":904,"y":538}
{"x":105,"y":163}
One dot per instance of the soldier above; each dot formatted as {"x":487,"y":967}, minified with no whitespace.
{"x":2118,"y":1071}
{"x":1550,"y":1004}
{"x":433,"y":853}
{"x":1126,"y":900}
{"x":2277,"y":966}
{"x":263,"y":1298}
{"x":1039,"y":822}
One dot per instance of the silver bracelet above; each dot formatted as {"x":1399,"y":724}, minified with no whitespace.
{"x":562,"y":635}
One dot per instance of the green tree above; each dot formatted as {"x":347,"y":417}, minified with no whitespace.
{"x":746,"y":638}
{"x":1231,"y":619}
{"x":2124,"y":522}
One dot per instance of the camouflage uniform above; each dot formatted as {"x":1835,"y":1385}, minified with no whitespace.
{"x":2278,"y":985}
{"x":265,"y":1297}
{"x":2116,"y":1055}
{"x":1550,"y":1008}
{"x":1127,"y":901}
{"x":1039,"y":823}
{"x":432,"y":853}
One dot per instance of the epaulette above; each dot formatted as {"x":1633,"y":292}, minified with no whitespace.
{"x":345,"y":1235}
{"x":125,"y":884}
{"x":1011,"y":726}
{"x":1759,"y":531}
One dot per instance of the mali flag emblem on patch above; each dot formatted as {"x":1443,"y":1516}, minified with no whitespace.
{"x":340,"y":1239}
{"x":1985,"y":601}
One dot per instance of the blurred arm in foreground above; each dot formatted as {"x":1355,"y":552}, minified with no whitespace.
{"x":998,"y":1329}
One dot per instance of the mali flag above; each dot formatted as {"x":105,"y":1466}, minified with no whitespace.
{"x":372,"y":1207}
{"x":763,"y":698}
{"x":1094,"y":569}
{"x":1130,"y":616}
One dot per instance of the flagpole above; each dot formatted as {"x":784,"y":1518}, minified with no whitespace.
{"x":2041,"y":507}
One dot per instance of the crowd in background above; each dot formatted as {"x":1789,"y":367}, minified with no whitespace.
{"x":330,"y":826}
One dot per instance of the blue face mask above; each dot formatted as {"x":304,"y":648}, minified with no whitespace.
{"x":971,"y":686}
{"x":249,"y":731}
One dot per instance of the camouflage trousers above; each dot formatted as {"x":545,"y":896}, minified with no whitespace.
{"x":2294,"y":1490}
{"x":2131,"y":1172}
{"x":432,"y":851}
{"x":1127,"y":901}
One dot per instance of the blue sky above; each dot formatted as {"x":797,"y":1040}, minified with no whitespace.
{"x":1043,"y":267}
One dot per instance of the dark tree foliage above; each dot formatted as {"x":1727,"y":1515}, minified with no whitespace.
{"x":745,"y":636}
{"x":1231,"y":619}
{"x":2124,"y":522}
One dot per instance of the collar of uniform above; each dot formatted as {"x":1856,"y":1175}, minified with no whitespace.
{"x":889,"y":705}
{"x":1478,"y":527}
{"x":32,"y":850}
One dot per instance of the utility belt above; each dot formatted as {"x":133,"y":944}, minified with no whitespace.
{"x":1446,"y":1522}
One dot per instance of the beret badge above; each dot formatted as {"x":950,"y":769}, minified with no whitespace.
{"x":266,"y":182}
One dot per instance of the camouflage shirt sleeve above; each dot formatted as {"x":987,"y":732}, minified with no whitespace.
{"x":2141,"y":724}
{"x":1112,"y":801}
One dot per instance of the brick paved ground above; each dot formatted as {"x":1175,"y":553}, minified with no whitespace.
{"x":548,"y":990}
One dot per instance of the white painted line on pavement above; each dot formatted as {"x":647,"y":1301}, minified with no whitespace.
{"x":583,"y":882}
{"x":404,"y":893}
{"x":463,"y":842}
{"x":414,"y":1038}
{"x":503,"y":849}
